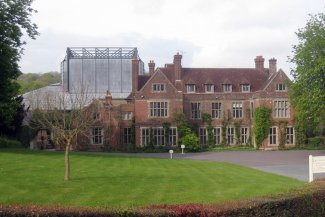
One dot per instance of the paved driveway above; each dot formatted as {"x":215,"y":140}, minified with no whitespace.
{"x":287,"y":163}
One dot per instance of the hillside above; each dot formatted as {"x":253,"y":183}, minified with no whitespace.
{"x":32,"y":81}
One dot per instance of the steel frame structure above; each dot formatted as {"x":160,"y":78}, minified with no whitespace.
{"x":102,"y":52}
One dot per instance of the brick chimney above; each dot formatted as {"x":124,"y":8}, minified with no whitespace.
{"x":259,"y":63}
{"x":272,"y":66}
{"x":108,"y":98}
{"x":178,"y":66}
{"x":151,"y":65}
{"x":135,"y":74}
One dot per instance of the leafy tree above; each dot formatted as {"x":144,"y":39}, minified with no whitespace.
{"x":33,"y":81}
{"x":14,"y":18}
{"x":307,"y":91}
{"x":11,"y":129}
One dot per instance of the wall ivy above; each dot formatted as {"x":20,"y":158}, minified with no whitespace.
{"x":262,"y":124}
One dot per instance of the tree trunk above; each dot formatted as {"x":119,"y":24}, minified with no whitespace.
{"x":67,"y":162}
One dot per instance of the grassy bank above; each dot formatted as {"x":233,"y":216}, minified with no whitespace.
{"x":31,"y":177}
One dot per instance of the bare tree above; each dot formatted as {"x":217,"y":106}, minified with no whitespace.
{"x":65,"y":115}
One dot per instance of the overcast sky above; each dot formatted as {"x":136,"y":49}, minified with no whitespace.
{"x":209,"y":33}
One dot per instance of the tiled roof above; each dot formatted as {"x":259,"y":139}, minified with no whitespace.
{"x":219,"y":76}
{"x":142,"y":80}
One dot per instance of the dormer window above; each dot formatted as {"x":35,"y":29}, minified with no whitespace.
{"x":190,"y":88}
{"x":209,"y":88}
{"x":227,"y":88}
{"x":280,"y":87}
{"x":245,"y":88}
{"x":158,"y":87}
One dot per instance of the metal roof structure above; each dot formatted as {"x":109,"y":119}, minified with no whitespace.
{"x":102,"y":53}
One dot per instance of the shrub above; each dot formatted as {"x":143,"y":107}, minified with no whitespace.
{"x":8,"y":143}
{"x":314,"y":141}
{"x":191,"y":142}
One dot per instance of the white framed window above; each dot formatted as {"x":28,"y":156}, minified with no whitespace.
{"x":158,"y":87}
{"x":158,"y":136}
{"x":230,"y":135}
{"x":272,"y":136}
{"x":216,"y":110}
{"x":217,"y":135}
{"x":97,"y":135}
{"x":173,"y":136}
{"x":196,"y":110}
{"x":127,"y":135}
{"x":280,"y":87}
{"x":227,"y":88}
{"x":127,"y":115}
{"x":145,"y":136}
{"x":237,"y":109}
{"x":244,"y":135}
{"x":209,"y":88}
{"x":245,"y":88}
{"x":281,"y":108}
{"x":158,"y":109}
{"x":203,"y":136}
{"x":190,"y":88}
{"x":289,"y":136}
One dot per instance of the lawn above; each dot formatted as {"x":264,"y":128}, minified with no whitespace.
{"x":34,"y":177}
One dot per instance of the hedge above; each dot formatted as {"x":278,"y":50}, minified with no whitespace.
{"x":308,"y":200}
{"x":8,"y":143}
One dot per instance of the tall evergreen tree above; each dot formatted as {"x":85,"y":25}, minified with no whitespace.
{"x":14,"y":19}
{"x":308,"y":88}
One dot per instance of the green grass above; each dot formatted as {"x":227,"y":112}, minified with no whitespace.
{"x":31,"y":177}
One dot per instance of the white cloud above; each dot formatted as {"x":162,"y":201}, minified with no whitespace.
{"x":210,"y":33}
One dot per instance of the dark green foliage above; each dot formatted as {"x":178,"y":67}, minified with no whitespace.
{"x":8,"y":143}
{"x":166,"y":127}
{"x":307,"y":92}
{"x":33,"y":81}
{"x":14,"y":19}
{"x":12,"y":127}
{"x":25,"y":135}
{"x":226,"y":120}
{"x":262,"y":124}
{"x":315,"y":141}
{"x":207,"y":119}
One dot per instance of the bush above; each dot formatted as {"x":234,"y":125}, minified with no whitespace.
{"x":25,"y":135}
{"x":8,"y":143}
{"x":315,"y":141}
{"x":191,"y":142}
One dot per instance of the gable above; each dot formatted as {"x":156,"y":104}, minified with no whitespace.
{"x":278,"y":78}
{"x":158,"y":78}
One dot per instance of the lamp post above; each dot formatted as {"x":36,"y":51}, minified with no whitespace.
{"x":171,"y":154}
{"x":182,"y":147}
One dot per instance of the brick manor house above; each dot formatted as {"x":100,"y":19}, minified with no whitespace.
{"x":227,"y":94}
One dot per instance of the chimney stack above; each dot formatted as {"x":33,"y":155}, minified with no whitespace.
{"x":259,"y":63}
{"x":151,"y":65}
{"x":135,"y":74}
{"x":272,"y":66}
{"x":178,"y":66}
{"x":108,"y":98}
